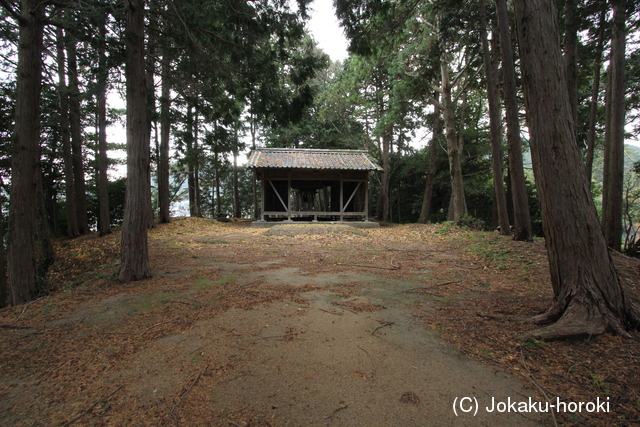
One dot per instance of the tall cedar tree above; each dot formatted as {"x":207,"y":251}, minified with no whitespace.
{"x":76,"y":136}
{"x":521,"y":216}
{"x":25,"y":171}
{"x":613,"y":175}
{"x":104,"y":220}
{"x":63,"y":102}
{"x":436,"y":130}
{"x":135,"y":249}
{"x":589,"y":298}
{"x":165,"y":132}
{"x":595,"y":91}
{"x":495,"y":124}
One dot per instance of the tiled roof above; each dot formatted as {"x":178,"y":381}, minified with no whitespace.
{"x":311,"y":159}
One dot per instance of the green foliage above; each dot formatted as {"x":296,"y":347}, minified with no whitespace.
{"x":468,"y":221}
{"x":116,"y":191}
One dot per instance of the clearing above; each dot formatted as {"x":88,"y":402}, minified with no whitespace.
{"x":303,"y":325}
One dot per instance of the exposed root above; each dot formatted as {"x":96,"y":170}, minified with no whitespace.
{"x":551,"y":315}
{"x":578,"y":321}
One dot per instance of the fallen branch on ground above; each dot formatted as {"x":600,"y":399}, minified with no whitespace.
{"x":340,"y":408}
{"x":90,"y":407}
{"x":507,"y":318}
{"x":158,"y":324}
{"x":382,"y":326}
{"x":331,"y":312}
{"x":537,"y":384}
{"x":434,"y":286}
{"x":183,"y":394}
{"x":370,"y":266}
{"x":25,"y":309}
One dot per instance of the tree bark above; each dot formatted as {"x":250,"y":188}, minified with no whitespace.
{"x":150,"y":68}
{"x":165,"y":132}
{"x":384,"y":184}
{"x":459,"y":203}
{"x":521,"y":216}
{"x":614,"y":132}
{"x":21,"y":262}
{"x":588,"y":298}
{"x":495,"y":124}
{"x":571,"y":23}
{"x":216,"y":162}
{"x":191,"y":181}
{"x":425,"y":212}
{"x":593,"y":107}
{"x":104,"y":220}
{"x":76,"y":137}
{"x":256,"y":209}
{"x":237,"y":209}
{"x":4,"y":290}
{"x":63,"y":101}
{"x":44,"y":248}
{"x":135,"y":250}
{"x":196,"y":164}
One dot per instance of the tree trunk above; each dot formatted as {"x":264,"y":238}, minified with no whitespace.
{"x":21,"y":262}
{"x":495,"y":124}
{"x":593,"y":107}
{"x":588,"y":299}
{"x":459,"y":205}
{"x":76,"y":138}
{"x":196,"y":163}
{"x":614,"y":132}
{"x":384,"y":184}
{"x":44,"y":248}
{"x":135,"y":250}
{"x":63,"y":98}
{"x":256,"y":210}
{"x":104,"y":220}
{"x":4,"y":290}
{"x":191,"y":182}
{"x":216,"y":163}
{"x":150,"y":68}
{"x":425,"y":212}
{"x":237,"y":209}
{"x":571,"y":22}
{"x":165,"y":132}
{"x":521,"y":215}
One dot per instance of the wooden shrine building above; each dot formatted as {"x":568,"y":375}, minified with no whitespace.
{"x":313,"y":185}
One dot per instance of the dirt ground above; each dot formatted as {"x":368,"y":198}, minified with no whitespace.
{"x":305,"y":325}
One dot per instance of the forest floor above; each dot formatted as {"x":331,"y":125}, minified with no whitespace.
{"x":313,"y":325}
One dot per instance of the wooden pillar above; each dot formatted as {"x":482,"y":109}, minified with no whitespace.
{"x":289,"y":196}
{"x":341,"y":199}
{"x":366,"y":200}
{"x":262,"y":184}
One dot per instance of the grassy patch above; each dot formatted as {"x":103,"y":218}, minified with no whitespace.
{"x":216,"y":242}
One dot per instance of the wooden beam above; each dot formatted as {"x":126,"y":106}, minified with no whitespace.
{"x":352,"y":194}
{"x":286,"y":207}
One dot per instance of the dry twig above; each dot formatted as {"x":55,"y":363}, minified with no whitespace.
{"x":25,"y":309}
{"x":535,"y":382}
{"x":185,"y":392}
{"x":369,"y":266}
{"x":158,"y":324}
{"x":382,"y":326}
{"x":423,"y":288}
{"x":90,"y":407}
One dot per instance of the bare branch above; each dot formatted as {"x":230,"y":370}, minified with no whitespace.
{"x":14,"y":14}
